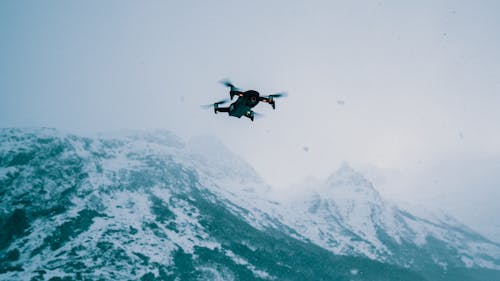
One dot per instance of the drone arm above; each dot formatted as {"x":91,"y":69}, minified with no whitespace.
{"x":269,"y":100}
{"x":221,"y":109}
{"x":234,"y":92}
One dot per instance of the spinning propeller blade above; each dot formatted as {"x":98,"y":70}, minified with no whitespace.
{"x":227,"y":83}
{"x":207,"y":106}
{"x":278,"y":95}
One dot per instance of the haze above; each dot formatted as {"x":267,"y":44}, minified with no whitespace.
{"x":407,"y":93}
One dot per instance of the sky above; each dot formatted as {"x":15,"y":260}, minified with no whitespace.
{"x":408,"y":93}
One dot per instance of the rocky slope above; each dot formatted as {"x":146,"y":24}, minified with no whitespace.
{"x":148,"y":206}
{"x":346,"y":215}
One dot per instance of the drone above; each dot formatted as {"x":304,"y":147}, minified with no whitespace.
{"x":244,"y":103}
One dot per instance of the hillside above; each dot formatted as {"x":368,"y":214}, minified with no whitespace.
{"x":149,"y":206}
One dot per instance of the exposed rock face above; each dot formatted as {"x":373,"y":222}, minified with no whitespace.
{"x":148,"y":206}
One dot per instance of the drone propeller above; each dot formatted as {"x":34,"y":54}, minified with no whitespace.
{"x":206,"y":106}
{"x":227,"y":83}
{"x":270,"y":99}
{"x":278,"y":95}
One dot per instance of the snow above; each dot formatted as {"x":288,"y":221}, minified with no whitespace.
{"x":343,"y":213}
{"x":354,"y":271}
{"x":239,"y":260}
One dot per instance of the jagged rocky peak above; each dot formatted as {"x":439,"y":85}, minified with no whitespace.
{"x":347,"y":176}
{"x":346,"y":180}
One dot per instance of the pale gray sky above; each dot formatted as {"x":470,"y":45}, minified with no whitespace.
{"x":420,"y":85}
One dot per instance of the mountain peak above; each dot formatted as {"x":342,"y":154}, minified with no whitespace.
{"x":347,"y":176}
{"x":347,"y":169}
{"x":348,"y":183}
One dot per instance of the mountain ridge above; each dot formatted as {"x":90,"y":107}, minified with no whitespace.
{"x":146,"y":206}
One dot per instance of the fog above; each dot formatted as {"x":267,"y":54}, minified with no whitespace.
{"x":407,"y":93}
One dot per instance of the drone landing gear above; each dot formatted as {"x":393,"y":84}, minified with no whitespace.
{"x":250,"y":115}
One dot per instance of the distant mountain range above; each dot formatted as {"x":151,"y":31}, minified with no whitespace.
{"x":150,"y":206}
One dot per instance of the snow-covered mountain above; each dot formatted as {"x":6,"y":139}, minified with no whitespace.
{"x":149,"y":206}
{"x":346,"y":215}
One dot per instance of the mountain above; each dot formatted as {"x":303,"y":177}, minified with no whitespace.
{"x":347,"y":216}
{"x":148,"y":206}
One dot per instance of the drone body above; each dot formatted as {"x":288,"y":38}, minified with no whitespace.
{"x":245,"y":102}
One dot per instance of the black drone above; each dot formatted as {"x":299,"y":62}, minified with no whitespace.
{"x":245,"y":102}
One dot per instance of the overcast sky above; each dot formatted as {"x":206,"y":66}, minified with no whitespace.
{"x":408,"y":93}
